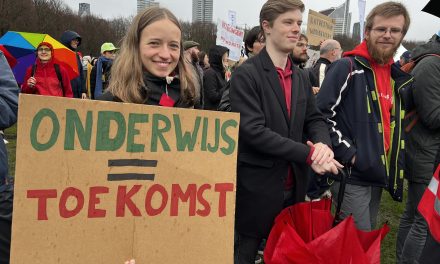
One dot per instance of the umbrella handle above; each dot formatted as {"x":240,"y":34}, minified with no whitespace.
{"x":341,"y":192}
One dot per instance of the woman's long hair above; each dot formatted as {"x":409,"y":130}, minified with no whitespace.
{"x":126,"y":80}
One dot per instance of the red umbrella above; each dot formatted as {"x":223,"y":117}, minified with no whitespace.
{"x":303,"y":233}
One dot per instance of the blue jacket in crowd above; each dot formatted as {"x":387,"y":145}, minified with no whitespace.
{"x":355,"y":123}
{"x":8,"y":111}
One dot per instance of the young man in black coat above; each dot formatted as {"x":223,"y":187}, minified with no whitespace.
{"x":276,"y":106}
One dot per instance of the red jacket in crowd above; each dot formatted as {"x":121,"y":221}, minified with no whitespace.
{"x":47,"y":80}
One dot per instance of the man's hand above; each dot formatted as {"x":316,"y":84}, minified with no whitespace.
{"x":322,"y":153}
{"x":331,"y":167}
{"x":315,"y":90}
{"x":83,"y":96}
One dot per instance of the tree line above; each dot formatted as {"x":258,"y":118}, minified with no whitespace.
{"x":53,"y":17}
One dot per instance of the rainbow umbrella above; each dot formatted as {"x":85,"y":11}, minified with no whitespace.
{"x":22,"y":47}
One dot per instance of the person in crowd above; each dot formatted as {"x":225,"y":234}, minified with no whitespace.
{"x":100,"y":75}
{"x":72,"y":40}
{"x":329,"y":51}
{"x":8,"y":116}
{"x":422,"y":143}
{"x":191,"y":55}
{"x":46,"y":76}
{"x":254,"y":42}
{"x":276,"y":106}
{"x":299,"y":51}
{"x":360,"y":100}
{"x":404,"y":58}
{"x":87,"y":70}
{"x":150,"y":68}
{"x":203,"y":60}
{"x":214,"y":78}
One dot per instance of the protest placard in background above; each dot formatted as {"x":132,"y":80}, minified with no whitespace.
{"x":102,"y":182}
{"x":319,"y":27}
{"x":231,"y":38}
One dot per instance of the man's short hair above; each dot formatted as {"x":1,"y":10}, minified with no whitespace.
{"x":253,"y":34}
{"x":328,"y":46}
{"x":273,"y":8}
{"x":387,"y":10}
{"x":303,"y":36}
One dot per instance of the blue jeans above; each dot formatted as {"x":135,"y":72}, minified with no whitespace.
{"x":412,"y":233}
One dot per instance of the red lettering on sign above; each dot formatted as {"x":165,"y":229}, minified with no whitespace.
{"x":207,"y":208}
{"x":124,"y":199}
{"x":71,"y":192}
{"x":177,"y":194}
{"x":148,"y":207}
{"x":222,"y":188}
{"x":42,"y":196}
{"x":94,"y":200}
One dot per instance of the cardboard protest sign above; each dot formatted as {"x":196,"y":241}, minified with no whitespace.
{"x":230,"y":37}
{"x":102,"y":182}
{"x":319,"y":27}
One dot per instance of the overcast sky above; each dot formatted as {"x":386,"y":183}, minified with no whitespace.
{"x":423,"y":25}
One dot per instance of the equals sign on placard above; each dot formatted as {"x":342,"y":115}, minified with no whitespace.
{"x":131,"y":163}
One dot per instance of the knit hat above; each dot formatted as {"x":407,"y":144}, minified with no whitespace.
{"x":108,"y":46}
{"x":189,"y":44}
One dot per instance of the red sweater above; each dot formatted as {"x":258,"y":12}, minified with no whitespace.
{"x":383,"y":84}
{"x":47,"y":80}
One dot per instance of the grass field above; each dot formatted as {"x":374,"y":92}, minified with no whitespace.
{"x":390,"y":211}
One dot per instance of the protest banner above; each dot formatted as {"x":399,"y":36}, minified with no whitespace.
{"x":319,"y":27}
{"x":231,"y":38}
{"x":103,"y":182}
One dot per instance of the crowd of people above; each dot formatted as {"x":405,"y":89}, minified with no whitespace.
{"x":299,"y":127}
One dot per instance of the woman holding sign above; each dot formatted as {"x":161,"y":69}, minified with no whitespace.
{"x":150,"y":68}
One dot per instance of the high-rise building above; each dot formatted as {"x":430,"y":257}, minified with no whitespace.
{"x":202,"y":11}
{"x":342,"y":18}
{"x":84,"y":9}
{"x":142,"y":4}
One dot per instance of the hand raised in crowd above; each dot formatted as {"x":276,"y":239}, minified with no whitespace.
{"x":130,"y":262}
{"x":31,"y":81}
{"x":322,"y":153}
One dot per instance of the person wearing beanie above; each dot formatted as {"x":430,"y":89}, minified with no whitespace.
{"x":72,"y":40}
{"x":46,"y":77}
{"x":191,"y":55}
{"x":100,"y":76}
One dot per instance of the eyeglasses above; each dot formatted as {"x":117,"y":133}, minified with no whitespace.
{"x":383,"y":30}
{"x":44,"y":50}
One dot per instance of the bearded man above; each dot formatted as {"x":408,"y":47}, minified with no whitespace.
{"x":360,"y":100}
{"x":191,"y":54}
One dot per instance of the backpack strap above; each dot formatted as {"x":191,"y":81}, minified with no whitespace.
{"x":34,"y":67}
{"x":60,"y":78}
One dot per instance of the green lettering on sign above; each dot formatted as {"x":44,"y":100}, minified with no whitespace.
{"x":73,"y":123}
{"x":188,"y":139}
{"x":157,"y":132}
{"x":133,"y":119}
{"x":103,"y":140}
{"x":45,"y":112}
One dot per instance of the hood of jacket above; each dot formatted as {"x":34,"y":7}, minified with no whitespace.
{"x":68,"y":36}
{"x":215,"y":57}
{"x":432,"y":46}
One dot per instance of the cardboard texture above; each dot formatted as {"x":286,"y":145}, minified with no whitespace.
{"x":319,"y":27}
{"x":102,"y":182}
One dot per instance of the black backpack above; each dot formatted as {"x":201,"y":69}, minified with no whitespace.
{"x":57,"y":71}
